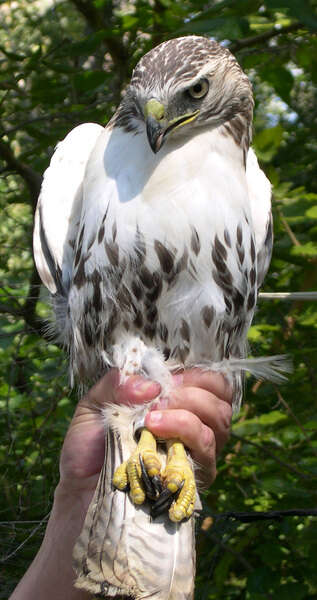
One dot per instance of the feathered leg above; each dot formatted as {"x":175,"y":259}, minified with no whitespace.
{"x":133,"y":356}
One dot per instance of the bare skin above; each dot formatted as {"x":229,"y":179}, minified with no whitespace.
{"x":198,"y":412}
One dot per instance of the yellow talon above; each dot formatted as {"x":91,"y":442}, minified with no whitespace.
{"x":178,"y":473}
{"x":190,"y":510}
{"x":130,"y":470}
{"x":120,"y":478}
{"x":134,"y":476}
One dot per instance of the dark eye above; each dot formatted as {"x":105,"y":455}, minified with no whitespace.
{"x":199,"y":90}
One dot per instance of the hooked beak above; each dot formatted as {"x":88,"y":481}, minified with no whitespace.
{"x":157,"y":126}
{"x":155,"y":133}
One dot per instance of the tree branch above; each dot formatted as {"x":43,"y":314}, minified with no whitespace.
{"x":276,"y":458}
{"x":297,"y":421}
{"x":249,"y":517}
{"x":32,"y":179}
{"x":287,"y":228}
{"x":158,"y":33}
{"x":27,"y":312}
{"x":5,"y":309}
{"x":263,"y":37}
{"x":29,"y":306}
{"x":97,"y":20}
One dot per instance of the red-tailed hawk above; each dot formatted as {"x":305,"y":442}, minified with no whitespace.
{"x":153,"y":235}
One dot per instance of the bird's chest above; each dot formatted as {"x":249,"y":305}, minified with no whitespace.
{"x":169,"y":251}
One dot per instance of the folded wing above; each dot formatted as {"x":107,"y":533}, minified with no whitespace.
{"x":59,"y":207}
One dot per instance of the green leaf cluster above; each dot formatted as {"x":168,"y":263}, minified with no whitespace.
{"x":64,"y":63}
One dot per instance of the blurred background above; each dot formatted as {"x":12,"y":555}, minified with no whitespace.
{"x":67,"y":62}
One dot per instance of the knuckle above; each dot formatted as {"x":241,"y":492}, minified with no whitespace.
{"x":225,"y":416}
{"x":178,"y":397}
{"x":186,"y":419}
{"x":228,"y":392}
{"x":208,"y":438}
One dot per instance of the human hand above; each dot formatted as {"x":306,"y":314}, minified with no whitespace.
{"x":83,"y":451}
{"x":198,"y":411}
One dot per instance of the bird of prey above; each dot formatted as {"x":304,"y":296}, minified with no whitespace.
{"x":153,"y":235}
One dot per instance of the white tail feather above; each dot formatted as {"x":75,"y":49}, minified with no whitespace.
{"x":271,"y":368}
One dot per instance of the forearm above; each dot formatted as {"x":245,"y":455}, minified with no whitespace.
{"x":51,"y":576}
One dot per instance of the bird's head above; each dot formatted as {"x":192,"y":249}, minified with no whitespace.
{"x":184,"y":85}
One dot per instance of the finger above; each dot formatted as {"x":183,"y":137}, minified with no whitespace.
{"x":215,"y":383}
{"x":136,"y":390}
{"x":212,"y":411}
{"x":194,"y":434}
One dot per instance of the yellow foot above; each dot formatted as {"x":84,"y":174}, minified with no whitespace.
{"x":130,"y":472}
{"x":178,"y":475}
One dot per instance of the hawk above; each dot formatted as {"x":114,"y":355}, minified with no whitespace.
{"x":153,"y":235}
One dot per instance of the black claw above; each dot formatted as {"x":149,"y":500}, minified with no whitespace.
{"x":162,"y":504}
{"x":149,"y":485}
{"x":164,"y":501}
{"x":157,"y":484}
{"x":160,"y":497}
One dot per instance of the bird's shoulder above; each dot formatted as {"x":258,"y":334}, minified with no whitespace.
{"x":59,"y":205}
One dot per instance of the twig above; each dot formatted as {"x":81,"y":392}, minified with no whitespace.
{"x":4,"y":97}
{"x":227,"y":548}
{"x":249,"y":517}
{"x":7,"y":309}
{"x":263,"y":37}
{"x":8,"y":523}
{"x":297,"y":421}
{"x":273,"y":455}
{"x":33,"y":532}
{"x":287,"y":228}
{"x":29,"y":307}
{"x":288,"y":296}
{"x":31,"y":178}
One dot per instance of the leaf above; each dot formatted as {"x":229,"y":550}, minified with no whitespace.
{"x":300,"y":9}
{"x":312,"y":212}
{"x":88,"y":45}
{"x":293,"y":591}
{"x":267,"y":142}
{"x":90,"y":80}
{"x":251,"y":426}
{"x":129,"y":22}
{"x":308,"y":250}
{"x":280,"y":485}
{"x":261,"y":581}
{"x":280,"y":78}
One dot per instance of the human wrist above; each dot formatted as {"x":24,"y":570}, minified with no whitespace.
{"x":71,"y":500}
{"x":51,"y":574}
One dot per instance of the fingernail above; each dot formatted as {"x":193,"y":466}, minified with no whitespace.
{"x":154,"y":418}
{"x":142,"y":386}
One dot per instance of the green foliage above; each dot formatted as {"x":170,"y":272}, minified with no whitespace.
{"x":66,"y":63}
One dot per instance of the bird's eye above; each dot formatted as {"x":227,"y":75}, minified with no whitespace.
{"x":199,"y":90}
